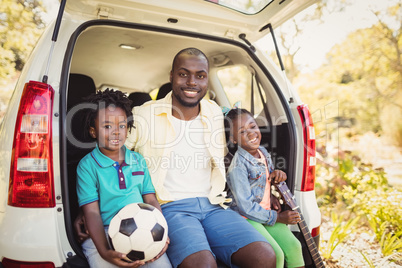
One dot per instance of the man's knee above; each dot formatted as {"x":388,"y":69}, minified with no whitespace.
{"x":256,"y":254}
{"x":202,"y":259}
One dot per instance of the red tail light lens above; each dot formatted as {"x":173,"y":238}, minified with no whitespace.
{"x":309,"y":159}
{"x":7,"y":263}
{"x":315,"y":231}
{"x":31,"y":175}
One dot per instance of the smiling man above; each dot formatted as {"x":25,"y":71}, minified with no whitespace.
{"x":188,"y":127}
{"x":185,"y":128}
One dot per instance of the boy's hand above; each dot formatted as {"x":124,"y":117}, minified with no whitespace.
{"x":81,"y":228}
{"x":288,"y":217}
{"x":162,"y":251}
{"x":116,"y":258}
{"x":277,"y":176}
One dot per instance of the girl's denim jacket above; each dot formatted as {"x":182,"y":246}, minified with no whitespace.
{"x":246,"y":179}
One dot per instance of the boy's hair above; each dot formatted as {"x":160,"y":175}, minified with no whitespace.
{"x":104,"y":99}
{"x":232,"y":115}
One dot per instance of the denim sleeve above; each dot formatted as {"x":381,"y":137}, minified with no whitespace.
{"x":240,"y":187}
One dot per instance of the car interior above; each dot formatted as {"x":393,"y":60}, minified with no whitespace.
{"x":137,"y":61}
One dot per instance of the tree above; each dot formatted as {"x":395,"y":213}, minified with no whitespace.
{"x":20,"y":26}
{"x":289,"y":34}
{"x":364,"y":74}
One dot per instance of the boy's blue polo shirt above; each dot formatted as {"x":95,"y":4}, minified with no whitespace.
{"x":99,"y":178}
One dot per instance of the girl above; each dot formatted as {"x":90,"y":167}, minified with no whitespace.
{"x":249,"y":179}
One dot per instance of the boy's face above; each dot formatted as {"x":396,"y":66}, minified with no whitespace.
{"x":110,"y":129}
{"x":246,"y":133}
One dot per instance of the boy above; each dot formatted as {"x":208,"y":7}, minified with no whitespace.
{"x":111,"y":177}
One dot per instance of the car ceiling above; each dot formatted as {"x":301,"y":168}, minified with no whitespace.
{"x":98,"y":55}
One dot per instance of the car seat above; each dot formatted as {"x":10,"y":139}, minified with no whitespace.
{"x":164,"y":90}
{"x":79,"y":87}
{"x":138,"y":98}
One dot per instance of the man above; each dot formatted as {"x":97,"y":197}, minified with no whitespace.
{"x":182,"y":138}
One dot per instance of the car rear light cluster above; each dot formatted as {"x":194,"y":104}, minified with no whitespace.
{"x":31,"y":173}
{"x":7,"y":263}
{"x":309,"y":159}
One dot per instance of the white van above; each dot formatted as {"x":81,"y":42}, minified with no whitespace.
{"x":129,"y":45}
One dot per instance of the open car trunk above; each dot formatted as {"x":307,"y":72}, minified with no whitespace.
{"x":96,"y":60}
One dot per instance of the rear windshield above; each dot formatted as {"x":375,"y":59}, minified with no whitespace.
{"x":249,"y":7}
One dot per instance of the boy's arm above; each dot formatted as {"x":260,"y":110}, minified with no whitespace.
{"x":80,"y":227}
{"x":97,"y":232}
{"x":151,"y":199}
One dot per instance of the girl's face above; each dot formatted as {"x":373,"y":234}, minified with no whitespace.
{"x":246,"y":133}
{"x":110,"y":130}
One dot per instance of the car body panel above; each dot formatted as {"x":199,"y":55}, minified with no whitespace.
{"x":195,"y":15}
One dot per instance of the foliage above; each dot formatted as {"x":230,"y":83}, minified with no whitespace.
{"x":364,"y":192}
{"x":341,"y":231}
{"x":368,"y":260}
{"x":363,"y":74}
{"x":20,"y":27}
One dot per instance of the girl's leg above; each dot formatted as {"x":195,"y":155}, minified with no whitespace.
{"x":278,"y":251}
{"x":289,"y":244}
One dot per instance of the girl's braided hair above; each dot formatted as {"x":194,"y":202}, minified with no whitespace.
{"x":104,"y":99}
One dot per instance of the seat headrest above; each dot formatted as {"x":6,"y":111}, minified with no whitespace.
{"x":79,"y":87}
{"x":139,"y":98}
{"x":164,"y":90}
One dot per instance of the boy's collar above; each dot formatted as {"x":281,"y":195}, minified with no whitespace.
{"x":105,"y":161}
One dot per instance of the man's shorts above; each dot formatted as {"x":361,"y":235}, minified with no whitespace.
{"x":195,"y":225}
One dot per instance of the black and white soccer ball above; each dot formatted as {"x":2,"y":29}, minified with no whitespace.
{"x":138,"y":230}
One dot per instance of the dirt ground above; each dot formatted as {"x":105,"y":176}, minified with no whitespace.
{"x":379,"y":152}
{"x":350,"y":253}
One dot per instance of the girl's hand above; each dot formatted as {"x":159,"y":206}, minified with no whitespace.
{"x":162,"y":251}
{"x":116,"y":258}
{"x":275,"y":205}
{"x":288,"y":217}
{"x":277,"y":176}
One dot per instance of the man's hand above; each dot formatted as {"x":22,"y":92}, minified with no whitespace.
{"x":81,"y":227}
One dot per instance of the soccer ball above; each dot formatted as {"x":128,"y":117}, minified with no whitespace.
{"x":138,"y":230}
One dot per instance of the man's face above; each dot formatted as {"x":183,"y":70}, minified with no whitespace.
{"x":189,"y":79}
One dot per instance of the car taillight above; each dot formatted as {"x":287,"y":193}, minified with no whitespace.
{"x":315,"y":231}
{"x":31,"y":174}
{"x":7,"y":263}
{"x":309,"y":159}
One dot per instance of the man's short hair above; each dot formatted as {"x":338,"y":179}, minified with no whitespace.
{"x":190,"y":51}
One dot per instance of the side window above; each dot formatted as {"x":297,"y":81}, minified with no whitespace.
{"x":237,"y":81}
